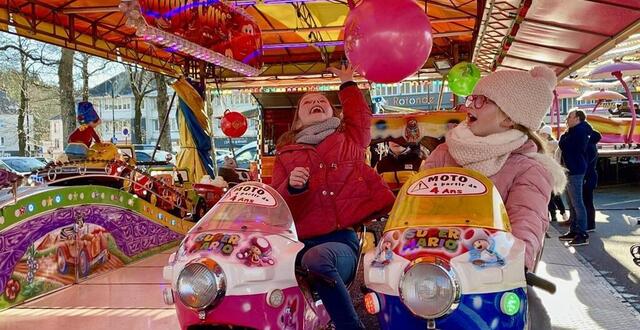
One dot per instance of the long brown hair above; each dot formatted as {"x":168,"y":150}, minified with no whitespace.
{"x":289,"y":137}
{"x":533,"y":136}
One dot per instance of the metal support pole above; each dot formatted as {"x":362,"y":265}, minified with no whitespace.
{"x":164,"y":125}
{"x":441,"y":93}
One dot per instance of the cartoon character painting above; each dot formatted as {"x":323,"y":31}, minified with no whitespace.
{"x":483,"y":253}
{"x":384,"y":251}
{"x":258,"y":253}
{"x":288,"y":318}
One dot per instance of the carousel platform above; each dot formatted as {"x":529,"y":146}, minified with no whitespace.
{"x":131,"y":298}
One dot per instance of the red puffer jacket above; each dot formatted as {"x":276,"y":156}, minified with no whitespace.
{"x":342,"y":190}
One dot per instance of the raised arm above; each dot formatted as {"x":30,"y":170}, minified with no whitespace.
{"x":355,"y":109}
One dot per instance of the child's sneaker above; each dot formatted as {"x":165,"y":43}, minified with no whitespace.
{"x":565,"y":216}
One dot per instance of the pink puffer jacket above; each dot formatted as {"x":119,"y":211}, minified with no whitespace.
{"x":525,"y":183}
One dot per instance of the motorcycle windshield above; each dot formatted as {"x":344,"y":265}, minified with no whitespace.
{"x":249,"y":207}
{"x":449,"y":197}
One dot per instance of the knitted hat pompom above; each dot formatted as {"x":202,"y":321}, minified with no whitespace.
{"x":546,"y":74}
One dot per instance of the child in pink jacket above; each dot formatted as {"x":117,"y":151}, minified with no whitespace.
{"x":498,"y":139}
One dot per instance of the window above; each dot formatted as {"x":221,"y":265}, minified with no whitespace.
{"x":57,"y":143}
{"x":142,"y":157}
{"x":245,"y":157}
{"x":2,"y":141}
{"x":156,"y":125}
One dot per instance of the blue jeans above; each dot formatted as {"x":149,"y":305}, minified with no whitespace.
{"x":334,"y":255}
{"x":578,"y":211}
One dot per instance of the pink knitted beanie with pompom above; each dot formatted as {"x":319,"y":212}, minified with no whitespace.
{"x":525,"y":96}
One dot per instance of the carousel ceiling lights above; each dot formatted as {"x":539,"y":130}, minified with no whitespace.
{"x":131,"y":9}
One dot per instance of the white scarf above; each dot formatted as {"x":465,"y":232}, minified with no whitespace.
{"x":316,"y":133}
{"x":485,"y":154}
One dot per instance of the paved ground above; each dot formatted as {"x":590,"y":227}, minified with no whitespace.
{"x":617,"y":228}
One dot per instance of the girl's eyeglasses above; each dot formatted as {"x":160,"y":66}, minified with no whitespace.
{"x":477,"y":101}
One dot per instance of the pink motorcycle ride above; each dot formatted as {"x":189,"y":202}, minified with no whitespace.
{"x":235,"y":269}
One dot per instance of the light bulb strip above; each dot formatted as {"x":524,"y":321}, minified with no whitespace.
{"x":172,"y":42}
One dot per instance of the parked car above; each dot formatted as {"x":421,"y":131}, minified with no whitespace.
{"x":220,"y":154}
{"x":160,"y":156}
{"x":247,"y":154}
{"x":21,"y":165}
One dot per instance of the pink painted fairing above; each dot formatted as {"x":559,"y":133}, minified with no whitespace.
{"x":253,"y":311}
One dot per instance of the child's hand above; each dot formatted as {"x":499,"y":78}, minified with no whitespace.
{"x":345,"y":74}
{"x":299,"y":177}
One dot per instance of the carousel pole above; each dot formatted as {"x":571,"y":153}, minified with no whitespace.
{"x":618,"y":74}
{"x":557,"y":105}
{"x":441,"y":93}
{"x":596,"y":106}
{"x":164,"y":125}
{"x":553,"y":108}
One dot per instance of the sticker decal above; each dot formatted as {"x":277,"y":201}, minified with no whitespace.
{"x":250,"y":194}
{"x":288,"y":316}
{"x":258,"y":253}
{"x":447,"y":184}
{"x":221,"y":243}
{"x":384,"y":251}
{"x":482,"y":250}
{"x":447,"y":239}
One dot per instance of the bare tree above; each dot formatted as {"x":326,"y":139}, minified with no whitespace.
{"x":141,"y":86}
{"x":83,"y":65}
{"x":67,"y":104}
{"x":30,"y":54}
{"x":163,"y":110}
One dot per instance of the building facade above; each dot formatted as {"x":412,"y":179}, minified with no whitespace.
{"x":9,"y":128}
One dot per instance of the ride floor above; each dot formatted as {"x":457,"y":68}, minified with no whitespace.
{"x":130,"y":298}
{"x":126,"y":298}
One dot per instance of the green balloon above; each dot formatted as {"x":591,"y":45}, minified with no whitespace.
{"x":462,"y":78}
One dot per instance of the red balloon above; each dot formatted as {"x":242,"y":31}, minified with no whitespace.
{"x":233,"y":124}
{"x":386,"y":40}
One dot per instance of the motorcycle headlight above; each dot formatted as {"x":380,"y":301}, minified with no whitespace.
{"x":201,"y":284}
{"x":429,"y":290}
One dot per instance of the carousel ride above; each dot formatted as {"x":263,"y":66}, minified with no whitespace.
{"x":259,"y":47}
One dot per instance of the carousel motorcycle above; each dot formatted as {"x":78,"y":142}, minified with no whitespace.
{"x":447,"y":258}
{"x":236,"y":268}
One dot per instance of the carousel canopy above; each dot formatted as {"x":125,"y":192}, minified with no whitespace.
{"x":564,"y":35}
{"x":236,"y":39}
{"x":296,"y":37}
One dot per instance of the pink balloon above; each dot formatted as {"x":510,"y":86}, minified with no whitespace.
{"x":388,"y":41}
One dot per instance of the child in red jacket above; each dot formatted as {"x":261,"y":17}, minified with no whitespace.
{"x":320,"y":171}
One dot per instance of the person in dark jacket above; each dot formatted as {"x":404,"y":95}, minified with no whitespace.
{"x":320,"y":172}
{"x":591,"y":178}
{"x":401,"y":161}
{"x":573,"y":145}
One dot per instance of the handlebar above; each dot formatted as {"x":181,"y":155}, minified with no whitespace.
{"x":539,"y":282}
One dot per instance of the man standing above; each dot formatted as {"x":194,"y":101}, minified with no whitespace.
{"x":573,"y":144}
